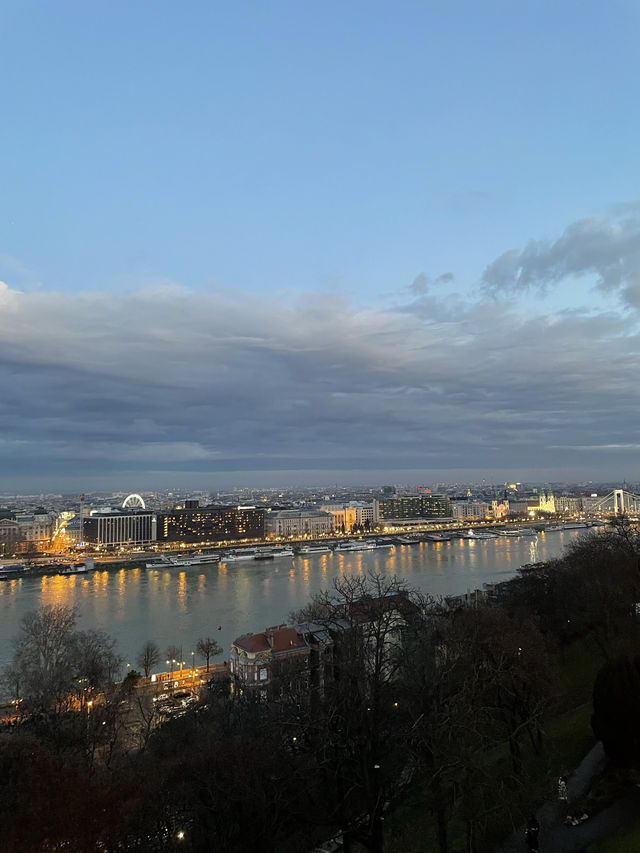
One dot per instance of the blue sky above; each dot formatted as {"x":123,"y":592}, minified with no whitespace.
{"x":257,"y":177}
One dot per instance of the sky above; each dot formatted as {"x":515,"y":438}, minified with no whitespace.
{"x":262,"y":243}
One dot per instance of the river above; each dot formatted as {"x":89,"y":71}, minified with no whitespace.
{"x":223,"y":601}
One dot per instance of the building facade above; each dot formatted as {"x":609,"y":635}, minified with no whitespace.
{"x":37,"y":527}
{"x":270,"y":663}
{"x":118,"y":528}
{"x":294,"y":522}
{"x":10,"y":535}
{"x":470,"y":509}
{"x":195,"y":524}
{"x":357,"y":515}
{"x":413,"y":508}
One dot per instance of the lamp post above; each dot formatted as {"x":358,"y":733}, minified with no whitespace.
{"x":193,"y":659}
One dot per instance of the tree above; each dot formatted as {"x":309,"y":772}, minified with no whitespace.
{"x":57,"y":665}
{"x":11,"y":679}
{"x":44,"y":657}
{"x":355,"y":730}
{"x":149,"y":656}
{"x":96,"y":662}
{"x":616,"y":710}
{"x":208,"y":648}
{"x":174,"y":656}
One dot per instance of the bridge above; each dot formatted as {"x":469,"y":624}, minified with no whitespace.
{"x":617,"y":502}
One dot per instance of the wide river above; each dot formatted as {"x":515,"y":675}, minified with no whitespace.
{"x":223,"y":601}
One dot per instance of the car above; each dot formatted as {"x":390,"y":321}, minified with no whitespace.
{"x":182,"y":694}
{"x":161,"y":697}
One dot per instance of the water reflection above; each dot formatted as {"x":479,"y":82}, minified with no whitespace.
{"x":177,"y":607}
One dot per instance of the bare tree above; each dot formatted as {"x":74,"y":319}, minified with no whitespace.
{"x":58,"y":666}
{"x":174,"y":656}
{"x":354,"y":724}
{"x":44,"y":657}
{"x":208,"y":648}
{"x":11,"y":679}
{"x":148,"y":657}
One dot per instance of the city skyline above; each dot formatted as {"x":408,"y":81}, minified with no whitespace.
{"x":290,"y":245}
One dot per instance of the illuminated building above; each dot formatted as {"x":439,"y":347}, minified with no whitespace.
{"x":117,"y":528}
{"x":210,"y":524}
{"x":356,"y":514}
{"x":470,"y":509}
{"x":10,"y":534}
{"x":300,"y":522}
{"x":412,"y":508}
{"x":287,"y":660}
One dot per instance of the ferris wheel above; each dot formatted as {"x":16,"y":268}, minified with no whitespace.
{"x":133,"y":502}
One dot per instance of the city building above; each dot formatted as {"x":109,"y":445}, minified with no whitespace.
{"x":568,"y":504}
{"x":499,"y":509}
{"x":298,"y":661}
{"x":270,"y":663}
{"x":412,"y":509}
{"x":10,"y":535}
{"x":118,"y":528}
{"x":37,"y":526}
{"x":357,"y":515}
{"x":299,"y":522}
{"x":195,"y":524}
{"x":523,"y":506}
{"x":470,"y":510}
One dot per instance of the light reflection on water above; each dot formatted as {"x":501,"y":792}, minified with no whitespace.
{"x":177,"y":607}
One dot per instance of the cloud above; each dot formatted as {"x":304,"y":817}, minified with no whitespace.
{"x":165,"y":379}
{"x":605,"y":250}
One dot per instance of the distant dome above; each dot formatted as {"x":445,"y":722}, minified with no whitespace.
{"x":133,"y":502}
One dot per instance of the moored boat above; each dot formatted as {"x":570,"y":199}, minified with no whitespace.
{"x":361,"y":545}
{"x":235,"y":556}
{"x":73,"y":569}
{"x":310,"y":550}
{"x":180,"y":561}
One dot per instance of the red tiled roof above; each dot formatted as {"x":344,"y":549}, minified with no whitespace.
{"x":285,"y":639}
{"x":253,"y":643}
{"x":281,"y":640}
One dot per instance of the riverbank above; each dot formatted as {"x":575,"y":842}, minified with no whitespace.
{"x":408,"y":536}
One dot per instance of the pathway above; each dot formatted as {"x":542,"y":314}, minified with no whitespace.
{"x":555,"y":836}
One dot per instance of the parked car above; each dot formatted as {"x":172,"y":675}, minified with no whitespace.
{"x":182,"y":694}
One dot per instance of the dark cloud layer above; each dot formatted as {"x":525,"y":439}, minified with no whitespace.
{"x":168,"y":380}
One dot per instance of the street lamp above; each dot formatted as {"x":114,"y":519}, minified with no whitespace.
{"x":193,"y":663}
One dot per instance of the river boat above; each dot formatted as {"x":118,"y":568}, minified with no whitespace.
{"x":574,"y":525}
{"x":519,"y":531}
{"x":194,"y":560}
{"x":13,"y":568}
{"x":73,"y":569}
{"x":437,"y":537}
{"x":273,"y":553}
{"x":235,"y":556}
{"x":404,"y":540}
{"x":282,"y":552}
{"x":480,"y":534}
{"x":356,"y":546}
{"x":310,"y":550}
{"x":182,"y":561}
{"x":12,"y":572}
